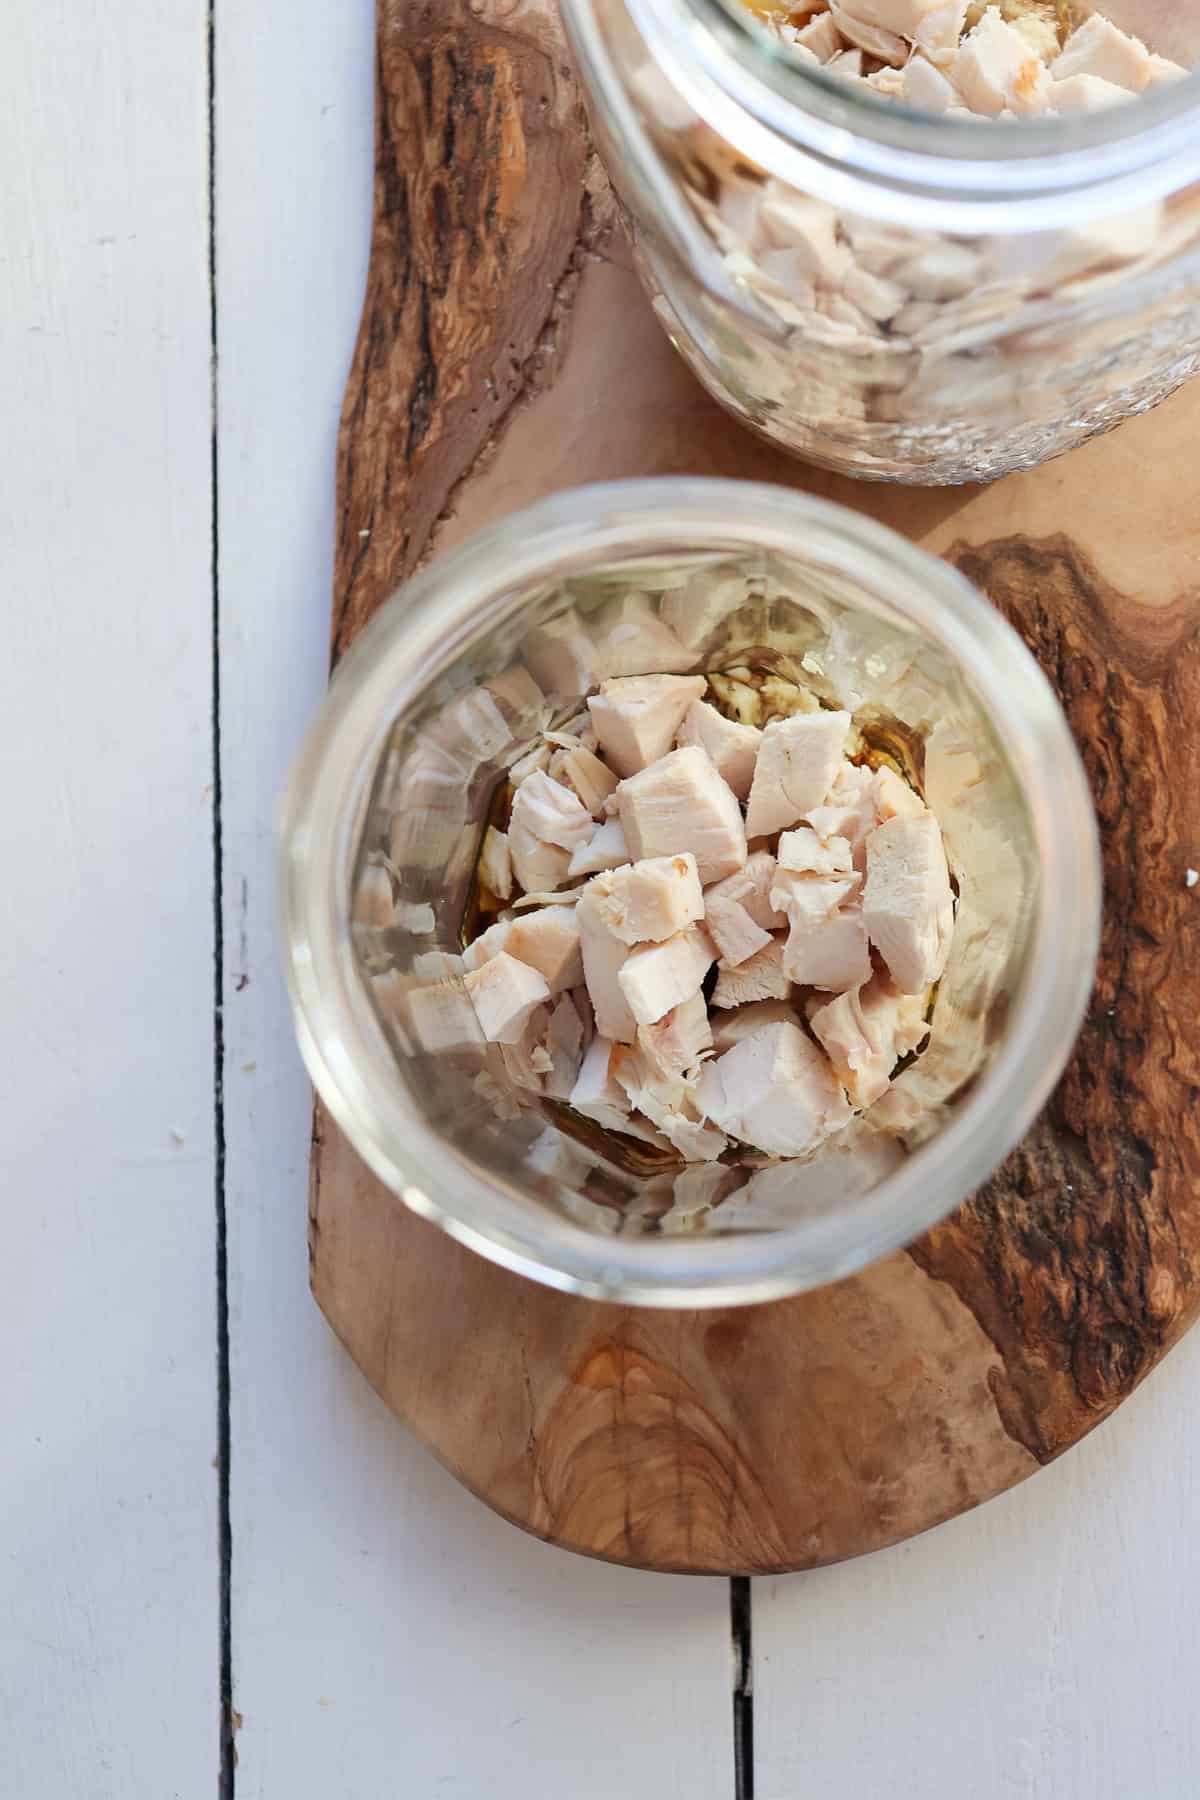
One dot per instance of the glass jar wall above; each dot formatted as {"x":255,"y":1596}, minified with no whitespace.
{"x":892,"y":294}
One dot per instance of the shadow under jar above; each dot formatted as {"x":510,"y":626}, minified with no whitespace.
{"x":456,"y":680}
{"x":1050,"y":266}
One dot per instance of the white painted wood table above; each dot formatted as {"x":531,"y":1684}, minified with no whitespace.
{"x":198,"y":1488}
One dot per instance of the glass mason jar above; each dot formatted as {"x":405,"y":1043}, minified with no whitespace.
{"x":891,"y":293}
{"x":452,"y":684}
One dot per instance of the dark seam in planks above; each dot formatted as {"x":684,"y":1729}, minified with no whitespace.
{"x":743,"y":1688}
{"x":225,"y":1779}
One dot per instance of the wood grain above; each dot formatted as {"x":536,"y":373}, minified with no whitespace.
{"x":811,"y":1430}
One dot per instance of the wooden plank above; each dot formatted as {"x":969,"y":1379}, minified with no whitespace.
{"x":109,"y":1641}
{"x":388,"y":1632}
{"x":796,"y":1434}
{"x":1046,"y":1646}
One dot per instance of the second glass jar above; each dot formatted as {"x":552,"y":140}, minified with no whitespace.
{"x":1048,"y":271}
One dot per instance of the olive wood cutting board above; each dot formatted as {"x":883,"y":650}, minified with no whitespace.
{"x":506,"y":351}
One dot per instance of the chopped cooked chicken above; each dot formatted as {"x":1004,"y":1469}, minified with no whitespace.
{"x":662,"y":976}
{"x":590,"y":780}
{"x":647,"y":901}
{"x":504,"y":992}
{"x":832,"y":953}
{"x":533,"y":760}
{"x":729,"y":1028}
{"x":527,"y":1061}
{"x":751,"y":888}
{"x":678,"y":1042}
{"x":636,"y":716}
{"x":696,"y":1139}
{"x":538,"y":866}
{"x":804,"y":852}
{"x":761,"y":977}
{"x":564,"y":1045}
{"x":908,"y":905}
{"x":594,"y":1085}
{"x":1085,"y":93}
{"x":547,"y":941}
{"x":926,"y":88}
{"x":893,"y":797}
{"x":561,"y":655}
{"x":681,"y":803}
{"x":808,"y":899}
{"x":997,"y":68}
{"x":605,"y":849}
{"x":903,"y":17}
{"x":1098,"y":48}
{"x":551,"y":813}
{"x":634,"y":640}
{"x":731,"y":748}
{"x":1162,"y":70}
{"x":488,"y":944}
{"x":796,"y":765}
{"x":774,"y":1090}
{"x":599,"y":1097}
{"x":495,"y":864}
{"x":876,"y":40}
{"x":866,"y":1031}
{"x":732,"y":929}
{"x":436,"y":1013}
{"x":604,"y":956}
{"x":820,"y":36}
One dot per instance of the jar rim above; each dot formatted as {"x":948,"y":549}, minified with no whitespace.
{"x":478,"y":584}
{"x":823,"y":135}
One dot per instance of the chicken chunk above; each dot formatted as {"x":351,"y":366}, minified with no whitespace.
{"x":832,"y":953}
{"x":876,"y":40}
{"x":547,"y":824}
{"x":681,"y":803}
{"x":495,"y":864}
{"x":865,"y":1032}
{"x":662,"y":976}
{"x":797,"y":761}
{"x":605,"y":849}
{"x":804,"y":852}
{"x":488,"y":944}
{"x":678,"y":1042}
{"x":551,"y":813}
{"x":774,"y":1090}
{"x":892,"y":796}
{"x":647,"y":901}
{"x":761,"y":977}
{"x":548,"y":941}
{"x":636,"y":716}
{"x":604,"y":956}
{"x":731,"y":748}
{"x":908,"y":905}
{"x":1098,"y":48}
{"x":820,"y":36}
{"x":926,"y":88}
{"x":504,"y":993}
{"x":751,"y":888}
{"x":905,"y":18}
{"x":595,"y":1086}
{"x":730,"y":1027}
{"x":564,"y":1045}
{"x":996,"y":68}
{"x":590,"y":780}
{"x":1085,"y":94}
{"x":732,"y":929}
